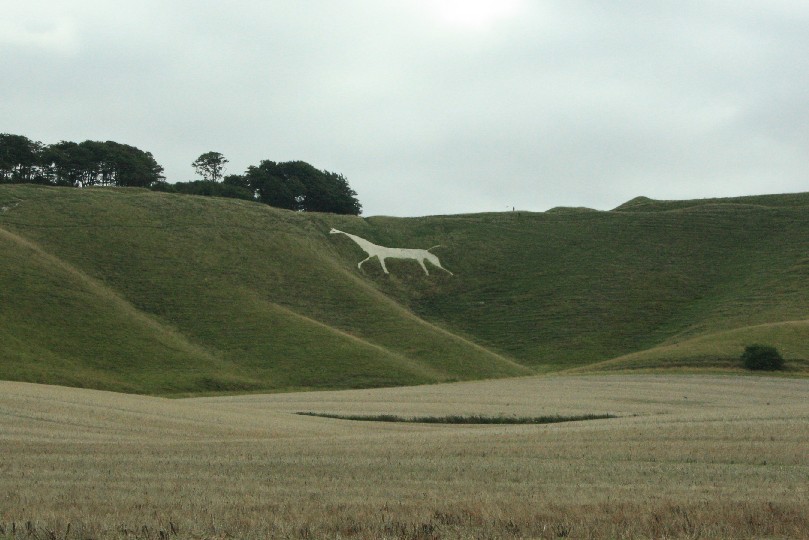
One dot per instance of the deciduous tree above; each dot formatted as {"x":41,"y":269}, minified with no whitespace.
{"x":297,"y":185}
{"x":210,"y":166}
{"x":19,"y":158}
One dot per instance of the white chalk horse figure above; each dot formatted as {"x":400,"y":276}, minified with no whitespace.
{"x":382,"y":253}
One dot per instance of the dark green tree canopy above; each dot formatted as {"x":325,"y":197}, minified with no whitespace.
{"x":273,"y":187}
{"x":294,"y":185}
{"x":67,"y":163}
{"x":297,"y":185}
{"x":210,"y":166}
{"x":19,"y":158}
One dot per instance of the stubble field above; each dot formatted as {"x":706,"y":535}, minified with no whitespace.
{"x":691,"y":456}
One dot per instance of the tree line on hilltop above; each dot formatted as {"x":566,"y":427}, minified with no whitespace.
{"x":294,"y":185}
{"x":68,"y":163}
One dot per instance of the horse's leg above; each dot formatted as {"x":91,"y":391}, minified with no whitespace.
{"x":445,"y":270}
{"x":359,"y":264}
{"x":382,"y":262}
{"x":437,"y":263}
{"x":423,"y":267}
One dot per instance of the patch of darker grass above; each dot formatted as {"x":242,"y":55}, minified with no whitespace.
{"x":462,"y":419}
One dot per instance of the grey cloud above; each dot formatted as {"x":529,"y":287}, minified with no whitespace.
{"x":572,"y":103}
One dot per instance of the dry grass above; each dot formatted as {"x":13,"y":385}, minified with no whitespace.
{"x":691,"y":457}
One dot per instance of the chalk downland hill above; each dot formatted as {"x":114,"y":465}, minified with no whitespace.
{"x":137,"y":291}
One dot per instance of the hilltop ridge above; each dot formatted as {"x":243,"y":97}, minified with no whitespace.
{"x":645,"y":204}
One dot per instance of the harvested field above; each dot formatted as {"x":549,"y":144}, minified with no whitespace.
{"x":690,"y":456}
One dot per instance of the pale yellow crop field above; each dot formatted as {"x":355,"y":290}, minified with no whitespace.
{"x":691,"y":457}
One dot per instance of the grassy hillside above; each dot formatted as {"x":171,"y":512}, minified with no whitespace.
{"x":571,"y":287}
{"x":159,"y":293}
{"x":139,"y":291}
{"x":718,"y":350}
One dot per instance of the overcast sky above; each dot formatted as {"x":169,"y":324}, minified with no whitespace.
{"x":431,"y":106}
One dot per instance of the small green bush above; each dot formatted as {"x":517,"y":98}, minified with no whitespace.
{"x":762,"y":357}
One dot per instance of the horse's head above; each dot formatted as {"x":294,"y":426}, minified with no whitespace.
{"x":334,"y":231}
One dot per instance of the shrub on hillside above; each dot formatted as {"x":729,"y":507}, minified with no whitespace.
{"x":206,"y":188}
{"x":762,"y":357}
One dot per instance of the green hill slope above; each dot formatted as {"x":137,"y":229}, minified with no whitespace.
{"x":146,"y":292}
{"x":718,"y":350}
{"x":561,"y":289}
{"x":158,"y":293}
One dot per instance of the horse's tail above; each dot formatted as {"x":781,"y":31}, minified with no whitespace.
{"x":432,"y":248}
